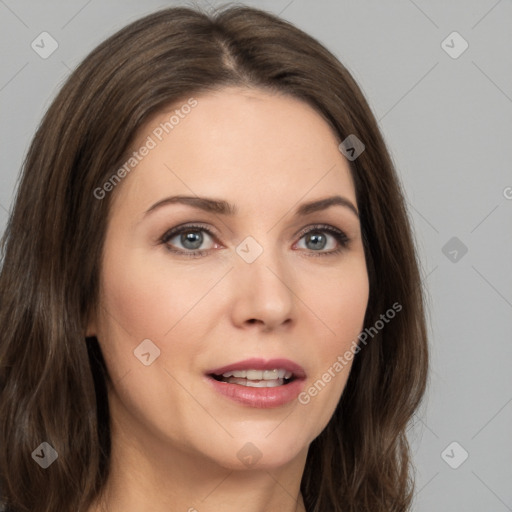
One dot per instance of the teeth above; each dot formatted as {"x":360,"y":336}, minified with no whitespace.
{"x":255,"y":384}
{"x":254,"y":375}
{"x":257,"y":378}
{"x":273,"y":374}
{"x":268,"y":375}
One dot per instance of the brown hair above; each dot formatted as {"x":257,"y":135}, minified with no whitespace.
{"x":52,"y":383}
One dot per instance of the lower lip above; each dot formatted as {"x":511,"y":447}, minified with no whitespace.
{"x":261,"y":398}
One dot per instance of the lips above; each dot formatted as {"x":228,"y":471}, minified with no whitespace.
{"x":259,"y":383}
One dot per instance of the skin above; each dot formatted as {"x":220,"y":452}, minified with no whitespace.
{"x":174,"y":439}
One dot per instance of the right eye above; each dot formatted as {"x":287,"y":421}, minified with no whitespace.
{"x":190,"y":237}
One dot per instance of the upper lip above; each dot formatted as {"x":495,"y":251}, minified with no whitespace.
{"x":262,"y":364}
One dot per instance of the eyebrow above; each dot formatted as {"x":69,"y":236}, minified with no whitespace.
{"x":222,"y":207}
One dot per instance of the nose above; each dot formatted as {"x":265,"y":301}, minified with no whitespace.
{"x":262,"y":293}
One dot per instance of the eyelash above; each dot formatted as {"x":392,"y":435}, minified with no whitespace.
{"x":339,"y":235}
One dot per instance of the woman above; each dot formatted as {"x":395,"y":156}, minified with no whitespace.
{"x":210,"y":297}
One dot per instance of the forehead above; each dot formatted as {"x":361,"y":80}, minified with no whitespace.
{"x":242,"y":144}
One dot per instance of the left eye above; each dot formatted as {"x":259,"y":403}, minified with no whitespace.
{"x":319,"y":240}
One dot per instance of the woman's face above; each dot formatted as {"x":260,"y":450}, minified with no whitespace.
{"x":270,"y":280}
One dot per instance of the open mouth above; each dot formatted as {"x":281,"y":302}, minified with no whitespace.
{"x":256,"y":378}
{"x":259,"y":383}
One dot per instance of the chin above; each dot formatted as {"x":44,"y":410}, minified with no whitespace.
{"x":257,"y":451}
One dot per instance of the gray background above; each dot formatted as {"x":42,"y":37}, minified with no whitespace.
{"x":448,"y":123}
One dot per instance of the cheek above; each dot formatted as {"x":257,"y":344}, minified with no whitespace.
{"x":135,"y":306}
{"x":341,"y":305}
{"x":146,"y":297}
{"x":346,"y":314}
{"x":339,"y":300}
{"x":144,"y":301}
{"x":351,"y":300}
